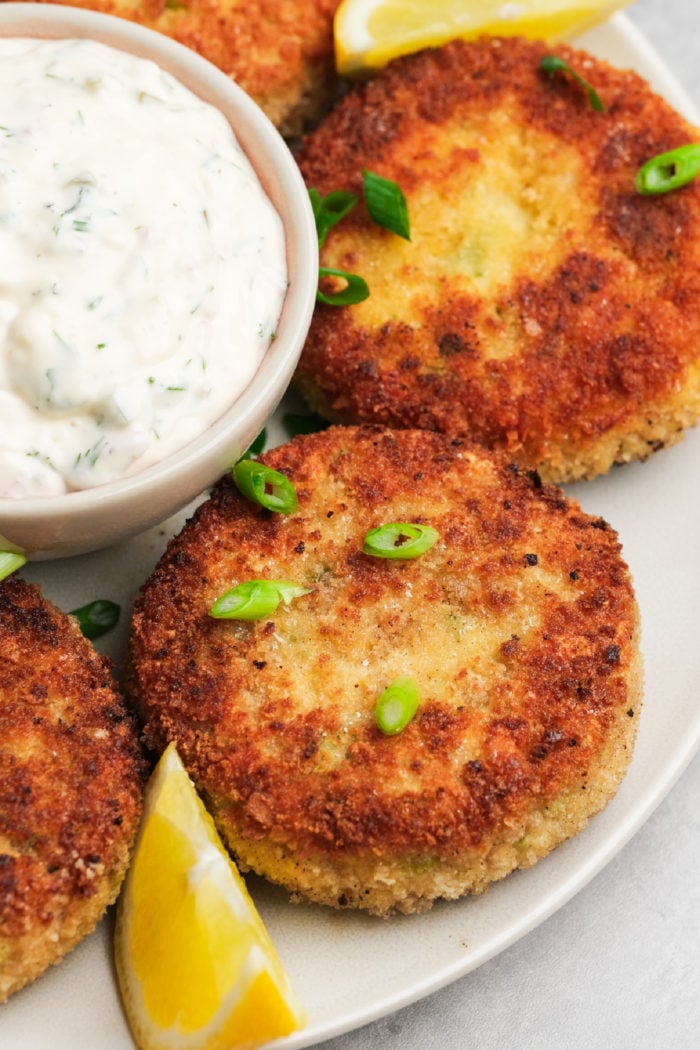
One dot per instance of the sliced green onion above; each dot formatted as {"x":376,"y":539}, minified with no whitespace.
{"x":387,"y":207}
{"x":255,"y":599}
{"x":552,"y":64}
{"x":329,"y":210}
{"x":669,"y":171}
{"x":397,"y":706}
{"x":98,"y":617}
{"x":355,"y":290}
{"x":256,"y":446}
{"x":386,"y":204}
{"x":265,"y":486}
{"x":399,"y":539}
{"x":10,"y":561}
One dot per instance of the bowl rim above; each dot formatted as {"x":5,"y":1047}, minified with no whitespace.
{"x":270,"y":156}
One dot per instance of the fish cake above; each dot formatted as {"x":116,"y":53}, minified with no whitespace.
{"x":71,"y":772}
{"x":279,"y":51}
{"x":518,"y":627}
{"x":543,"y":306}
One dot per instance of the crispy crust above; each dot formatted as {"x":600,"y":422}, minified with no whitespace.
{"x":279,"y":51}
{"x":70,"y":785}
{"x":542,"y":306}
{"x":519,"y":626}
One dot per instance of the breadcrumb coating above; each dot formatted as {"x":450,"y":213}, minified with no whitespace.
{"x":543,"y":306}
{"x":519,"y":627}
{"x":70,"y":785}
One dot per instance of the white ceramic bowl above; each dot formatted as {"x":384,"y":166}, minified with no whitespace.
{"x":58,"y":526}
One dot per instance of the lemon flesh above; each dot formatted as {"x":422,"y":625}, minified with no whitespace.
{"x":368,"y":33}
{"x":195,"y":964}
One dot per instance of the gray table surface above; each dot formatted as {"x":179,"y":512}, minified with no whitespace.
{"x":619,"y":966}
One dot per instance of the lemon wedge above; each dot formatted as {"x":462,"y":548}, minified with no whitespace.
{"x":195,"y":964}
{"x":368,"y":33}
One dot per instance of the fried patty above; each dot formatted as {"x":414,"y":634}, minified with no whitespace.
{"x":279,"y":51}
{"x":70,"y":785}
{"x":519,"y":628}
{"x":542,"y":307}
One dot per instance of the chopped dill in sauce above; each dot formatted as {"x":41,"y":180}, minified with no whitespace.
{"x":137,"y":294}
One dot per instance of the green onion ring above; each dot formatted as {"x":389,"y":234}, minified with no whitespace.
{"x":265,"y":486}
{"x":329,"y":210}
{"x":669,"y":171}
{"x":552,"y":64}
{"x":397,"y":706}
{"x":255,"y":599}
{"x":98,"y":617}
{"x":399,"y":539}
{"x":386,"y":204}
{"x":257,"y":445}
{"x":10,"y":561}
{"x":355,"y":291}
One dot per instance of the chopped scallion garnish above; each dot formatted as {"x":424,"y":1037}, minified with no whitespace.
{"x":329,"y":210}
{"x":386,"y":204}
{"x":255,"y":599}
{"x":256,"y":446}
{"x":399,"y":539}
{"x":669,"y":171}
{"x":98,"y":617}
{"x":265,"y":486}
{"x":387,"y":207}
{"x":552,"y":64}
{"x":397,"y":706}
{"x":10,"y":561}
{"x":355,"y":289}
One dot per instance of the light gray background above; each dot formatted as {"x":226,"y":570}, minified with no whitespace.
{"x":618,"y":968}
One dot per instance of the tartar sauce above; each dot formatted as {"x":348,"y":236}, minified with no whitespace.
{"x":142,"y":267}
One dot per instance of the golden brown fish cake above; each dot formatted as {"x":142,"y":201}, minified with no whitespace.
{"x":542,"y":306}
{"x":70,"y":785}
{"x":519,"y":627}
{"x":279,"y":51}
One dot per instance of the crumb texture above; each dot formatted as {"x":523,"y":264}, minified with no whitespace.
{"x":519,"y":627}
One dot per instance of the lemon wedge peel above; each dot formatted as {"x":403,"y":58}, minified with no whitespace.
{"x":195,"y":964}
{"x":369,"y":33}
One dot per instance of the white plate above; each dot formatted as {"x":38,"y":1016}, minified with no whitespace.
{"x":349,"y":969}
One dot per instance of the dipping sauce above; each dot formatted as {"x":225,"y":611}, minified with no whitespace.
{"x":142,"y":267}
